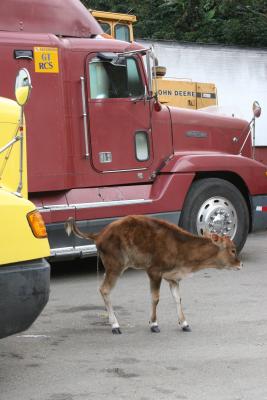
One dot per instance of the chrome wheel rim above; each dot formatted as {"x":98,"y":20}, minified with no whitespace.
{"x":217,"y":215}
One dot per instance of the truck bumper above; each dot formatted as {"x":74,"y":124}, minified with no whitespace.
{"x":259,"y":213}
{"x":24,"y":291}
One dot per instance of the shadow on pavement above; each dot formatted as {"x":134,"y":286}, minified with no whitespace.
{"x":79,"y":267}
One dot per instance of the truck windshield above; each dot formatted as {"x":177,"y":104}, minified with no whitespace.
{"x":115,"y":81}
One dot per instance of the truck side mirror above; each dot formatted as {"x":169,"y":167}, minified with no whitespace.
{"x":23,"y":86}
{"x":256,"y":109}
{"x":22,"y":92}
{"x":159,"y":71}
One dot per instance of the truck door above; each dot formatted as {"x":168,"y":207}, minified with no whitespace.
{"x":119,"y":114}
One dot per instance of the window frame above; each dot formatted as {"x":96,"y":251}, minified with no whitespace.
{"x":139,"y":68}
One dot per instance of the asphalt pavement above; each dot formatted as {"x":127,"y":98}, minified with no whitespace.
{"x":70,"y":353}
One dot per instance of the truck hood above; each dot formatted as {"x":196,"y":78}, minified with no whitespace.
{"x":196,"y":130}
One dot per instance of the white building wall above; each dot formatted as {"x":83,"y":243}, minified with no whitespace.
{"x":240,"y":75}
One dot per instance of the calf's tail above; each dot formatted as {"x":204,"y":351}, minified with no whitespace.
{"x":71,"y":227}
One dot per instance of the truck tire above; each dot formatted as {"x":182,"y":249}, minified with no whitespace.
{"x":216,"y":205}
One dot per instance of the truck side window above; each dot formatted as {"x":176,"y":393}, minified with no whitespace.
{"x":122,"y":32}
{"x":115,"y":81}
{"x":135,"y":84}
{"x":142,"y":146}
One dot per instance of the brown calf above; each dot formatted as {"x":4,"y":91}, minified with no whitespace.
{"x":163,"y":250}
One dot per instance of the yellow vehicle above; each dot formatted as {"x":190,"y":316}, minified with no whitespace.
{"x":173,"y":92}
{"x":24,"y":273}
{"x":117,"y":25}
{"x":185,"y":94}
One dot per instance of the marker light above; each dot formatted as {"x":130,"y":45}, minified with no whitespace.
{"x":37,"y":224}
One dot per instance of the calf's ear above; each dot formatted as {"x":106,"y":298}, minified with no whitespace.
{"x":227,"y":239}
{"x":216,"y":239}
{"x":207,"y":234}
{"x":220,"y":241}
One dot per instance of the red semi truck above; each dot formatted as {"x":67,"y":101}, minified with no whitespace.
{"x":99,"y":144}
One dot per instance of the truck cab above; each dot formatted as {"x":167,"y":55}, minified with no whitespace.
{"x":24,"y":272}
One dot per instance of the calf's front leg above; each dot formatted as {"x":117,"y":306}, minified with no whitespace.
{"x":174,"y":286}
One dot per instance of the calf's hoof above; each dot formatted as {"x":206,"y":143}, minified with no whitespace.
{"x":155,"y":329}
{"x":116,"y":331}
{"x":186,"y":328}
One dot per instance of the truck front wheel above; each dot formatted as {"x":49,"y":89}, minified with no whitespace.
{"x":216,"y":205}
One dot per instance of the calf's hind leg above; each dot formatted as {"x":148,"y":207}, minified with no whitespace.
{"x":109,"y":281}
{"x":155,"y":282}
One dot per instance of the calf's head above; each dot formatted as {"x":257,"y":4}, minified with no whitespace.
{"x":227,"y":254}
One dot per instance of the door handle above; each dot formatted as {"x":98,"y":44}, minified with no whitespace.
{"x":85,"y":127}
